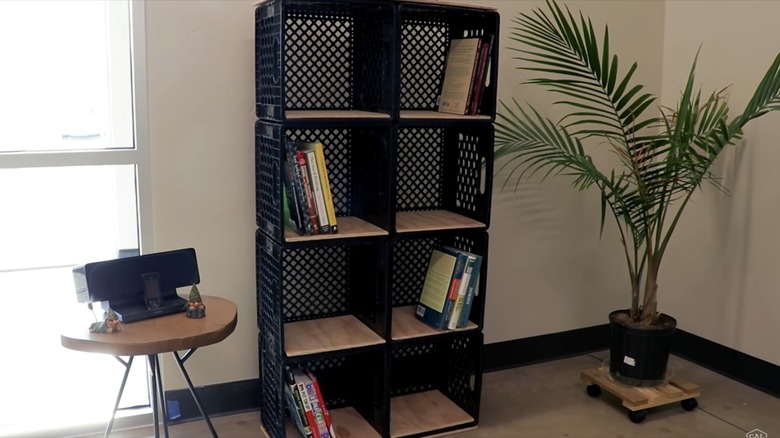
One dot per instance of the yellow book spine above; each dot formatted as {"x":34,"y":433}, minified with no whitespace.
{"x":331,"y":211}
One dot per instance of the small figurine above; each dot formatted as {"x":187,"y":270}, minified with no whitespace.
{"x":195,"y":306}
{"x":110,"y":324}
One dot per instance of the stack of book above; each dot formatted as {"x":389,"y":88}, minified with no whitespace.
{"x":306,"y":404}
{"x":308,"y":201}
{"x":451,"y":283}
{"x":466,"y":75}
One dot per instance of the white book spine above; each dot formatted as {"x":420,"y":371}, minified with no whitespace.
{"x":319,"y":199}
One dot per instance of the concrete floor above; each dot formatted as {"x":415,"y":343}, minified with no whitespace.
{"x":549,"y":400}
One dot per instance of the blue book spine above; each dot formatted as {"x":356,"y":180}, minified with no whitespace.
{"x":470,"y":293}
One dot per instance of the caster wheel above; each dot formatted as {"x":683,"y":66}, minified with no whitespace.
{"x":637,"y":416}
{"x":593,"y":390}
{"x":689,"y":404}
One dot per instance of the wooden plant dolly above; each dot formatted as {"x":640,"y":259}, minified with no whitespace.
{"x":639,"y":399}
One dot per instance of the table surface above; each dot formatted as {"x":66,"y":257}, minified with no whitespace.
{"x":159,"y":335}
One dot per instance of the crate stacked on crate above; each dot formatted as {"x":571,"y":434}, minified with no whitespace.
{"x":362,"y":78}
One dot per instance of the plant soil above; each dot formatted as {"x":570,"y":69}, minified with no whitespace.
{"x":623,"y":318}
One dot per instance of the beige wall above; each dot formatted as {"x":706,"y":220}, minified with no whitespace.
{"x":549,"y":271}
{"x":722,"y":274}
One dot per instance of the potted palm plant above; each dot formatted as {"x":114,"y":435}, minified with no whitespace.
{"x":664,"y":156}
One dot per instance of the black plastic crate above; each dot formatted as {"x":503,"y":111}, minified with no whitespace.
{"x":449,"y":364}
{"x":426,"y":33}
{"x":357,"y":159}
{"x":445,"y":166}
{"x":335,"y":55}
{"x":298,"y":284}
{"x":350,"y":380}
{"x":410,"y":258}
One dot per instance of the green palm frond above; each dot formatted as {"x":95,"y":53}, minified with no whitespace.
{"x":663,"y":158}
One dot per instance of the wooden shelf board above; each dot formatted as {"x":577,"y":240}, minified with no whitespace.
{"x":427,"y":115}
{"x":411,"y":221}
{"x":334,"y":114}
{"x":423,"y":412}
{"x":451,"y":3}
{"x":327,"y":334}
{"x":406,"y":325}
{"x":349,"y":226}
{"x":637,"y":398}
{"x":347,"y":422}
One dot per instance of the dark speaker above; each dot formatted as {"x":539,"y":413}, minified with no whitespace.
{"x":122,"y":279}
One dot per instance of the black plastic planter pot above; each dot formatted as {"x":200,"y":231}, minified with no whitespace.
{"x":639,"y":356}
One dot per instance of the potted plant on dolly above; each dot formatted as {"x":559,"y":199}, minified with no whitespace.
{"x":664,"y":156}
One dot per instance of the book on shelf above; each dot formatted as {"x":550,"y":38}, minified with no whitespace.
{"x":306,"y":403}
{"x":309,"y":201}
{"x":451,"y":276}
{"x":465,"y":73}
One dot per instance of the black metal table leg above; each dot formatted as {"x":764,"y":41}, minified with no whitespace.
{"x":121,"y":391}
{"x":152,"y":358}
{"x":180,"y":361}
{"x":163,"y":400}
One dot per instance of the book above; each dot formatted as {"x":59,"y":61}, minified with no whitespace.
{"x":291,"y":161}
{"x":486,"y":49}
{"x":316,"y":406}
{"x":319,"y":154}
{"x":316,"y":184}
{"x":455,"y":281}
{"x":433,"y":297}
{"x":325,"y":413}
{"x":305,"y":402}
{"x":308,"y":192}
{"x":295,"y":404}
{"x":452,"y":322}
{"x":458,"y":75}
{"x":291,"y":203}
{"x":471,"y":292}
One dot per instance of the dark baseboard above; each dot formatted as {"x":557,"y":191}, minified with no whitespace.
{"x":733,"y":364}
{"x":218,"y":399}
{"x":519,"y":352}
{"x":244,"y":395}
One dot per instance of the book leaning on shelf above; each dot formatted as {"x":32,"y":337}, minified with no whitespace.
{"x":466,"y":74}
{"x":451,"y":282}
{"x":308,"y":199}
{"x":306,"y":404}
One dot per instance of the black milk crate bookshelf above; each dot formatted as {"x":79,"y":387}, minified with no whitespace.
{"x":362,"y":78}
{"x":357,"y":158}
{"x":444,"y":174}
{"x":425,"y":36}
{"x":447,"y":373}
{"x":324,"y":55}
{"x":409,"y":258}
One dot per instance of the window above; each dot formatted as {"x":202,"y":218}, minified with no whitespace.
{"x":74,"y":188}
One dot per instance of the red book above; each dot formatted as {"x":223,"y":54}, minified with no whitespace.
{"x":321,"y":398}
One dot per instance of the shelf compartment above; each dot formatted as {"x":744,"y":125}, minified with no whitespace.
{"x":349,"y":227}
{"x":298,"y":284}
{"x":435,"y":384}
{"x":435,"y":115}
{"x":418,"y":221}
{"x":444,"y":176}
{"x":335,"y":55}
{"x":327,"y":334}
{"x":357,"y":408}
{"x":334,"y":115}
{"x":424,"y":412}
{"x":407,"y":326}
{"x":357,"y":158}
{"x":410,"y":256}
{"x":426,"y":33}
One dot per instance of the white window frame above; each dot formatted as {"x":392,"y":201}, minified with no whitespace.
{"x":139,"y":156}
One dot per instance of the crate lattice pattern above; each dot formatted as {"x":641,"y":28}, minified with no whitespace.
{"x":318,"y":60}
{"x":469,"y":172}
{"x":271,"y":403}
{"x":419,"y":177}
{"x":458,"y":372}
{"x":315,"y":283}
{"x":412,"y":352}
{"x":423,"y":48}
{"x":267,"y":49}
{"x":266,"y":170}
{"x":317,"y":367}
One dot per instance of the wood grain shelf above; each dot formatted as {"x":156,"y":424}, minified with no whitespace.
{"x":327,"y":334}
{"x":435,"y":115}
{"x":423,"y":412}
{"x":414,"y":221}
{"x":347,"y":422}
{"x":334,"y":114}
{"x":407,"y":326}
{"x":349,"y":227}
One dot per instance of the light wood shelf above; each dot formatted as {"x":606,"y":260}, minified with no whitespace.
{"x":435,"y":115}
{"x":423,"y":412}
{"x":327,"y":334}
{"x":413,"y":221}
{"x":347,"y":422}
{"x":334,"y":114}
{"x":407,"y":326}
{"x":349,"y":227}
